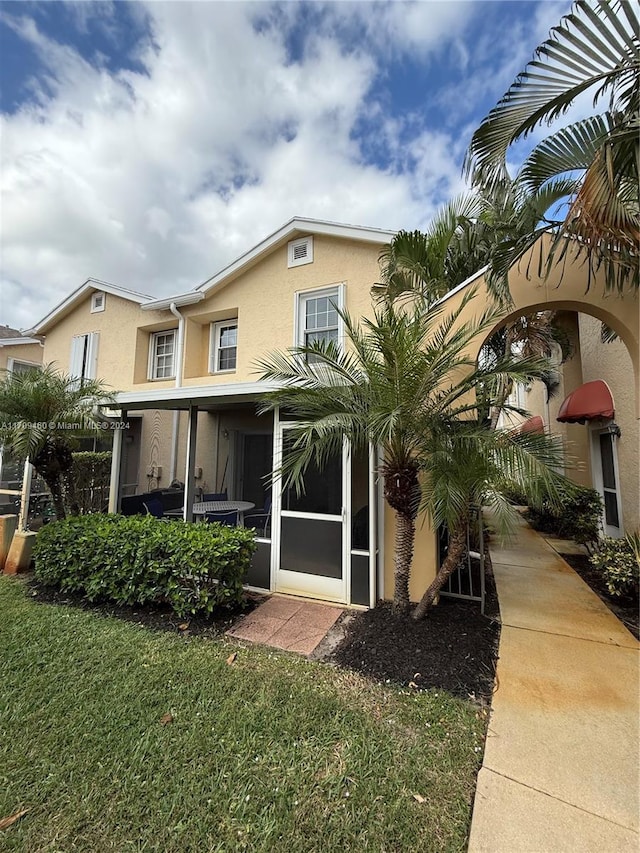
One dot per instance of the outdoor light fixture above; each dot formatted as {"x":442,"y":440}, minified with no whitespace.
{"x":614,"y":429}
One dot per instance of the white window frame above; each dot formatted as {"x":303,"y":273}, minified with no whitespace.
{"x":28,"y":364}
{"x":214,"y":345}
{"x":292,"y":261}
{"x":154,"y":337}
{"x":333,"y":291}
{"x":98,"y":301}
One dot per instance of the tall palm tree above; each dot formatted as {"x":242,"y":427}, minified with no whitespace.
{"x":400,"y":376}
{"x":596,"y":47}
{"x":43,"y":413}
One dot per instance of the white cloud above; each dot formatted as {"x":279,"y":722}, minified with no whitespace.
{"x":155,"y":179}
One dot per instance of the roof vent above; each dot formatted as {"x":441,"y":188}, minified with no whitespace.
{"x":300,"y":252}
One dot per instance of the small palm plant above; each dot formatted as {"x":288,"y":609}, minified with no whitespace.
{"x":404,"y":381}
{"x":43,"y":413}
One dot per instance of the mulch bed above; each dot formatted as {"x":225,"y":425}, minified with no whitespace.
{"x":626,"y":609}
{"x":156,"y":618}
{"x":454,"y":648}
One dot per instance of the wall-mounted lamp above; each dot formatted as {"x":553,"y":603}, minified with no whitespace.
{"x":614,"y":429}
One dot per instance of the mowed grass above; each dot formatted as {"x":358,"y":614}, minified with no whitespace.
{"x":268,"y":753}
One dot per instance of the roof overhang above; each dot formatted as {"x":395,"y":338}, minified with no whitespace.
{"x":89,"y":286}
{"x":591,"y":401}
{"x":213,"y":396}
{"x":15,"y":342}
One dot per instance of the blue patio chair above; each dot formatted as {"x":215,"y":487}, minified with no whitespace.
{"x":230,"y":519}
{"x":154,"y":507}
{"x":259,"y":518}
{"x":215,"y":496}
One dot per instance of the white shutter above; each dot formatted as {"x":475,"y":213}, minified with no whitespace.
{"x":77,"y":356}
{"x":91,"y":365}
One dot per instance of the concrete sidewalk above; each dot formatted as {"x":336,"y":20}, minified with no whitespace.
{"x":560,"y":771}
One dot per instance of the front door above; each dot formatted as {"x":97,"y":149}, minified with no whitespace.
{"x":312,"y":531}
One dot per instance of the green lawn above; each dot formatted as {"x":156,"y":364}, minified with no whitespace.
{"x":271,"y":753}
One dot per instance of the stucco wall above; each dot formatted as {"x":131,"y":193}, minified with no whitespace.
{"x":612,"y":363}
{"x":20,"y":352}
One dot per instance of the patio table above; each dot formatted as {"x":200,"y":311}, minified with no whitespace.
{"x":203,"y":507}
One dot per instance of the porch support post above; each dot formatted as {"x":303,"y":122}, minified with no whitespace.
{"x":117,"y":459}
{"x":25,"y":494}
{"x":373,"y":529}
{"x":189,"y":474}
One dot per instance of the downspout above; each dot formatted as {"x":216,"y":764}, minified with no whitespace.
{"x":176,"y":415}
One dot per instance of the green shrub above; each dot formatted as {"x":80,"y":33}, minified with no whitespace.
{"x":618,"y":560}
{"x":141,"y":560}
{"x":577,"y":517}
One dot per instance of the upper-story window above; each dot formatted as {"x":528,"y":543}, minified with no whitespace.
{"x":318,"y":318}
{"x":224,"y":346}
{"x":162,"y":355}
{"x":300,"y":252}
{"x":84,"y":356}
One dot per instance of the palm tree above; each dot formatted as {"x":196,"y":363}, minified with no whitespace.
{"x":43,"y":412}
{"x":400,"y":375}
{"x":595,"y":47}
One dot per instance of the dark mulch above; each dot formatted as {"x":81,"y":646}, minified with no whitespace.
{"x":454,"y":648}
{"x":626,"y":609}
{"x":157,"y":618}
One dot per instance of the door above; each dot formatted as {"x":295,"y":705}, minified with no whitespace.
{"x":313,"y":537}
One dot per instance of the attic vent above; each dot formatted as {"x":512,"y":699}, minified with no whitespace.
{"x":300,"y":252}
{"x":97,"y":302}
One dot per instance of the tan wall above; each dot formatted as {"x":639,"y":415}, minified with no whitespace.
{"x":262,"y":299}
{"x":118,"y":328}
{"x":20,"y":352}
{"x":612,"y":363}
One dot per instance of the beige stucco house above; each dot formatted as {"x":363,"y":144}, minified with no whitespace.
{"x":185,"y":368}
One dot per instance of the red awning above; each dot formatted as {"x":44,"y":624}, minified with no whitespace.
{"x":534,"y":424}
{"x":589,"y":402}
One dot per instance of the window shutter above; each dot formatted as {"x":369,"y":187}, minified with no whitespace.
{"x":91,"y":365}
{"x":77,"y":357}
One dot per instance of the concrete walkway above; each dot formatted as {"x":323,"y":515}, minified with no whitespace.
{"x":560,"y":771}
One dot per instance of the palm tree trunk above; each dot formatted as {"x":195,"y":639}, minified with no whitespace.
{"x":405,"y":538}
{"x":55,"y":487}
{"x":457,"y":547}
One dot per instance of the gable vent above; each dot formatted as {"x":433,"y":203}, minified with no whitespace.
{"x":300,"y":252}
{"x":97,"y":302}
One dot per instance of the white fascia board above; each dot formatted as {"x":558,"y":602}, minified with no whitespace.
{"x":90,"y":285}
{"x":14,"y":342}
{"x":154,"y":398}
{"x":299,"y":225}
{"x":182,"y":299}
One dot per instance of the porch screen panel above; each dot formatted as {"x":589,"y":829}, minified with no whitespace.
{"x":311,"y":546}
{"x":360,"y":579}
{"x":260,"y":568}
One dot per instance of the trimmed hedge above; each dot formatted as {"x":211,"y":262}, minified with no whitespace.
{"x":142,"y":560}
{"x":618,"y":560}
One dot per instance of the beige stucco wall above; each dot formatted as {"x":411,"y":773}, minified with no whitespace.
{"x":31,"y":353}
{"x":612,"y":363}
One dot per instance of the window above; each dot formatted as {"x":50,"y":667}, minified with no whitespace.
{"x":84,"y":356}
{"x":318,"y":318}
{"x":98,"y":301}
{"x":161,"y":355}
{"x":224,"y":346}
{"x":14,"y":366}
{"x":300,"y":252}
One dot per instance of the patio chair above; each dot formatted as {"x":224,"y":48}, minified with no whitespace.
{"x":215,"y":496}
{"x":230,"y":519}
{"x":154,"y":507}
{"x":259,"y":519}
